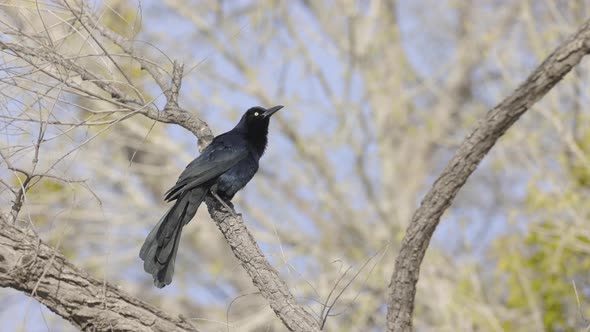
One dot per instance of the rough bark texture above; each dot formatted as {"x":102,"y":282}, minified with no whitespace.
{"x":30,"y":266}
{"x":402,"y":289}
{"x":263,"y":275}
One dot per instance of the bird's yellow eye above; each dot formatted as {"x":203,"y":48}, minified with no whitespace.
{"x":255,"y":113}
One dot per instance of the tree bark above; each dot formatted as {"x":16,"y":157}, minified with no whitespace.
{"x":402,"y":288}
{"x":263,"y":275}
{"x":39,"y":271}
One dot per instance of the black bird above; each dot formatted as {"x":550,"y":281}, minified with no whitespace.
{"x":222,"y":169}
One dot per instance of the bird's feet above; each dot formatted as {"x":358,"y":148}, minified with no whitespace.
{"x":226,"y":206}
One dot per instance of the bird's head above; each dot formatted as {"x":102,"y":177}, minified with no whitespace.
{"x":256,"y":119}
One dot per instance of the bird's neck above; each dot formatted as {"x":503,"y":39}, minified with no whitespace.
{"x":256,"y":135}
{"x":258,"y":139}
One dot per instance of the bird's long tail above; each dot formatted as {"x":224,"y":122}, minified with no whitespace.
{"x":159,"y":249}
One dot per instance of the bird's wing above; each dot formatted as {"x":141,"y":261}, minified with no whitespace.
{"x":223,"y":153}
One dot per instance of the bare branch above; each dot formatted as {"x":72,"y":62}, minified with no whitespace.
{"x":173,"y":113}
{"x":263,"y":275}
{"x":156,"y":72}
{"x":174,"y":91}
{"x":30,"y":266}
{"x":492,"y":126}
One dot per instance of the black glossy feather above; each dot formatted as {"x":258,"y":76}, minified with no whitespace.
{"x":222,"y":154}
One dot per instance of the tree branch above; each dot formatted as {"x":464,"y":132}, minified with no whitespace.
{"x":263,"y":275}
{"x":39,"y":271}
{"x":402,"y":288}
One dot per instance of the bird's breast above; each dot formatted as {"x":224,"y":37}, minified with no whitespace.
{"x":234,"y":179}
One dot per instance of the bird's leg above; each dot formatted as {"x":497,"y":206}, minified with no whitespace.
{"x":229,"y":209}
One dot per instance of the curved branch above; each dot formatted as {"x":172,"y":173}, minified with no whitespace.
{"x":402,"y":288}
{"x":39,"y":271}
{"x":263,"y":275}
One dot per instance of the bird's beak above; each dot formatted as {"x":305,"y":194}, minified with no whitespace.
{"x":272,"y":110}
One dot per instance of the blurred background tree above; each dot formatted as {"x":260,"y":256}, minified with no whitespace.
{"x":378,"y":94}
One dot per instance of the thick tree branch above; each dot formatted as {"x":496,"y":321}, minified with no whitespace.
{"x":263,"y":275}
{"x":30,"y":266}
{"x":493,"y":125}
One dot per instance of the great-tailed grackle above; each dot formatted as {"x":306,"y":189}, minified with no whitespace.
{"x":222,"y":169}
